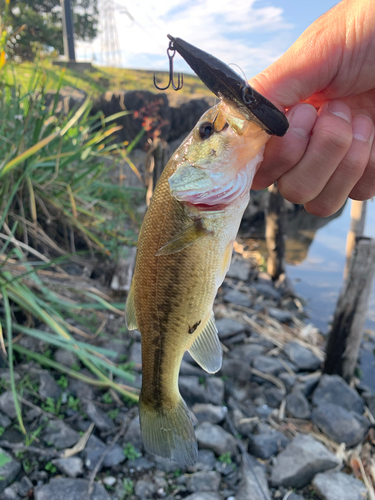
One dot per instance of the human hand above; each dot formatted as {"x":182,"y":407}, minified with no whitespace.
{"x":326,"y":80}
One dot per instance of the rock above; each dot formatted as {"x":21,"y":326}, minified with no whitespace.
{"x":209,"y":413}
{"x":340,"y":424}
{"x":247,"y":352}
{"x":237,"y":369}
{"x":94,"y":450}
{"x":59,"y":435}
{"x":227,"y":327}
{"x":166,"y":465}
{"x":10,"y":493}
{"x":265,"y":441}
{"x":339,"y":486}
{"x":99,"y":417}
{"x":67,"y":99}
{"x":214,"y":390}
{"x":140,"y":464}
{"x":300,"y":461}
{"x":333,"y":389}
{"x":252,"y":486}
{"x":215,"y":438}
{"x":273,"y":396}
{"x":7,"y":404}
{"x":144,"y":489}
{"x":203,"y":496}
{"x":24,"y":486}
{"x":73,"y":489}
{"x":135,"y":355}
{"x":109,"y":481}
{"x":294,"y":496}
{"x":238,"y":298}
{"x":239,"y":270}
{"x":268,"y":364}
{"x":185,"y":113}
{"x":189,"y":370}
{"x":81,"y":390}
{"x":8,"y":471}
{"x":133,"y":434}
{"x":72,"y":466}
{"x":192,"y":390}
{"x":302,"y":357}
{"x":267,"y":291}
{"x":4,"y":421}
{"x":203,"y":481}
{"x":280,"y":315}
{"x":297,"y":405}
{"x":308,"y":385}
{"x":206,"y":460}
{"x":123,"y":272}
{"x":65,"y":357}
{"x":288,"y":380}
{"x":48,"y":387}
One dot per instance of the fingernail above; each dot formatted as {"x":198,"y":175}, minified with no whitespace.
{"x":338,"y":108}
{"x":363,"y":128}
{"x":301,"y":120}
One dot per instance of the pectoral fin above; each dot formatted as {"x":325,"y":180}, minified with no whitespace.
{"x":206,"y":349}
{"x":184,"y":239}
{"x":130,"y":319}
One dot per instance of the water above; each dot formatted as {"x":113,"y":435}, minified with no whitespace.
{"x":319,"y":277}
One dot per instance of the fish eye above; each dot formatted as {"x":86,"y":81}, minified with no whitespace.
{"x":206,"y":129}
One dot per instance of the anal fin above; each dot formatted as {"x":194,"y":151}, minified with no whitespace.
{"x":130,"y":318}
{"x":206,"y":349}
{"x":184,"y":239}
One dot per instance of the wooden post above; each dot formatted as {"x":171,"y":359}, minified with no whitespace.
{"x":357,"y":227}
{"x":350,"y":315}
{"x":275,"y":233}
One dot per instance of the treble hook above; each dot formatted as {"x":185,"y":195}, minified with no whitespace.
{"x":171,"y":53}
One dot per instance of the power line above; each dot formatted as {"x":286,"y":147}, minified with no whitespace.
{"x":109,"y":41}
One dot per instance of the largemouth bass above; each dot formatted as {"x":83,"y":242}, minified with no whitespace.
{"x":185,"y":248}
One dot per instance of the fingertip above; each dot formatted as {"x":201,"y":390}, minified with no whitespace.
{"x":302,"y":118}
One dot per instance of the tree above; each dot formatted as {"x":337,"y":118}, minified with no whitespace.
{"x":37,"y":24}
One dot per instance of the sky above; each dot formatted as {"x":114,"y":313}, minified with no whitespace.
{"x":249,"y":33}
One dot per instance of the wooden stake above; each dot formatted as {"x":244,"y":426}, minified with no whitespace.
{"x":350,"y":315}
{"x":357,"y":227}
{"x":275,"y":233}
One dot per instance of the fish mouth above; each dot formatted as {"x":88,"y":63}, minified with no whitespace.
{"x":234,"y":90}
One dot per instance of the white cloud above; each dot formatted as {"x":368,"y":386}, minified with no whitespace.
{"x":247,"y":33}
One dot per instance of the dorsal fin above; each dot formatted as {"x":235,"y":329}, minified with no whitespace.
{"x":206,"y":349}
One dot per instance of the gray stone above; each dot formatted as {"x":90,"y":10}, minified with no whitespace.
{"x":209,"y":413}
{"x":133,"y":434}
{"x":136,"y":353}
{"x":265,"y":441}
{"x":239,"y":269}
{"x":4,"y":421}
{"x":334,"y":390}
{"x":227,"y":327}
{"x":308,"y":385}
{"x":237,"y":369}
{"x":140,"y":464}
{"x":10,"y":493}
{"x":64,"y":357}
{"x":300,"y":461}
{"x":144,"y":489}
{"x":297,"y":405}
{"x":81,"y":390}
{"x":24,"y":486}
{"x":203,"y":481}
{"x":192,"y":390}
{"x":166,"y":465}
{"x":8,"y":471}
{"x":203,"y":496}
{"x":273,"y":396}
{"x":206,"y":460}
{"x":73,"y":489}
{"x":94,"y":450}
{"x":190,"y":370}
{"x":238,"y":298}
{"x":268,"y":364}
{"x":247,"y":352}
{"x":99,"y":417}
{"x":109,"y":480}
{"x":339,"y":486}
{"x":294,"y":496}
{"x":48,"y":387}
{"x":302,"y":357}
{"x":7,"y":404}
{"x":72,"y":466}
{"x":252,"y":486}
{"x":267,"y":291}
{"x":280,"y":315}
{"x":215,"y":438}
{"x":288,"y":380}
{"x":340,"y":424}
{"x":224,"y":468}
{"x":59,"y":435}
{"x":214,"y":390}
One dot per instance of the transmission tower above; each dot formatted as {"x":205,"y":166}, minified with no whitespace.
{"x":109,"y":42}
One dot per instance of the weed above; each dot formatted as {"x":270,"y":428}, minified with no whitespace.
{"x":107,"y":398}
{"x":177,"y":473}
{"x":226,"y":458}
{"x":52,"y":406}
{"x":130,"y":452}
{"x":2,"y":430}
{"x":63,"y":382}
{"x":74,"y":403}
{"x":128,"y":487}
{"x":26,"y":464}
{"x":4,"y":459}
{"x":50,"y":468}
{"x":113,"y":413}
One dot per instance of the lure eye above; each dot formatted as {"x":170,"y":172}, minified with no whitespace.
{"x":206,"y":129}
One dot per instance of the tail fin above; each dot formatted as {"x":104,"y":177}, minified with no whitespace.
{"x":169,"y":432}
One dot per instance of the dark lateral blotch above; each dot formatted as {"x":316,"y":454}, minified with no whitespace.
{"x":192,"y":329}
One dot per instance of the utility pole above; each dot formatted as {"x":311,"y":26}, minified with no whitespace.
{"x":68,"y":32}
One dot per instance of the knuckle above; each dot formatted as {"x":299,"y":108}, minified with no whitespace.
{"x":338,"y":138}
{"x":294,"y":192}
{"x":321,"y":208}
